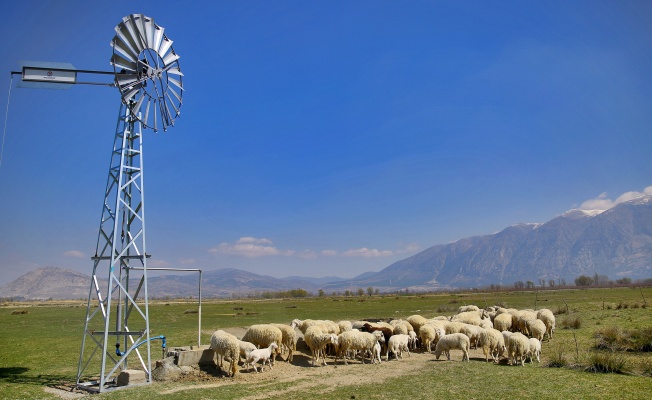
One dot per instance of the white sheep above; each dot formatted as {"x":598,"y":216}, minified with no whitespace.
{"x":473,"y":332}
{"x":524,"y":318}
{"x":288,"y":339}
{"x":397,"y":344}
{"x":428,"y":336}
{"x":413,"y":339}
{"x":245,"y":348}
{"x":454,"y":327}
{"x":467,"y":308}
{"x":548,"y":319}
{"x":375,"y":355}
{"x":317,"y":340}
{"x":345,"y":326}
{"x":536,"y":328}
{"x":453,"y":341}
{"x":535,"y":350}
{"x":492,"y":342}
{"x":518,"y":346}
{"x":503,"y":322}
{"x":417,"y":321}
{"x":225,"y":345}
{"x":468,"y":317}
{"x":263,"y":335}
{"x":265,"y":355}
{"x":355,"y":340}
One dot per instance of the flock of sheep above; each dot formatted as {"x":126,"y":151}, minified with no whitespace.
{"x":515,"y":334}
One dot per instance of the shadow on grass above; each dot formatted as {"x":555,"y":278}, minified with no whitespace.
{"x":20,"y":375}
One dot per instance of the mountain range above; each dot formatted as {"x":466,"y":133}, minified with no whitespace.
{"x":615,"y":243}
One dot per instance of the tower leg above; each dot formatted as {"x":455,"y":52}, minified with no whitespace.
{"x":121,"y":240}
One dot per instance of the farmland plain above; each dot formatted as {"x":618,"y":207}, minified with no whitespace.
{"x":40,"y":344}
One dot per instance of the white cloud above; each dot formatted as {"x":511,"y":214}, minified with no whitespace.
{"x":250,"y":247}
{"x":602,"y":202}
{"x":368,"y":253}
{"x":409,"y":248}
{"x":74,"y":254}
{"x":329,"y":253}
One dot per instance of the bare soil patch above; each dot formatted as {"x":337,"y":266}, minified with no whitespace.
{"x":320,"y":379}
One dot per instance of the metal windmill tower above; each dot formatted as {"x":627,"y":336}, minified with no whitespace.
{"x":147,"y":73}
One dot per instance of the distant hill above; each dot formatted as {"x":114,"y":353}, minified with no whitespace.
{"x":59,"y":283}
{"x":616,"y":243}
{"x":46,"y":283}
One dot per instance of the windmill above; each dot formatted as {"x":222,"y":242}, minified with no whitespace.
{"x":146,"y":71}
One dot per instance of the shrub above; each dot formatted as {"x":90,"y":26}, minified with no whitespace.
{"x":557,"y":357}
{"x":559,"y":310}
{"x":608,"y":338}
{"x":641,"y":339}
{"x":614,"y":339}
{"x":646,"y":367}
{"x":607,"y":362}
{"x":571,"y":322}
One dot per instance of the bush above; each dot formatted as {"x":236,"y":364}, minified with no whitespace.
{"x":559,"y":310}
{"x":646,"y":367}
{"x":557,"y":357}
{"x":571,"y":322}
{"x":614,"y":339}
{"x":607,"y":362}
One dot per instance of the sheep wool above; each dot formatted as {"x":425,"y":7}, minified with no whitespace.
{"x":317,"y":340}
{"x":454,"y":341}
{"x":492,"y":343}
{"x":397,"y":345}
{"x":226,"y":346}
{"x":548,"y":319}
{"x":263,"y":335}
{"x":518,"y":346}
{"x":536,"y":328}
{"x":503,"y":322}
{"x":355,"y":340}
{"x":535,"y":350}
{"x":288,"y":339}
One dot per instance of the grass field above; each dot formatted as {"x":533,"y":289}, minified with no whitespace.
{"x":40,"y":348}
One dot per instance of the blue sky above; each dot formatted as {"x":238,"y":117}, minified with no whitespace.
{"x":322,"y":138}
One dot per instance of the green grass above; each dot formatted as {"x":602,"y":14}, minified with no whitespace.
{"x":41,"y":347}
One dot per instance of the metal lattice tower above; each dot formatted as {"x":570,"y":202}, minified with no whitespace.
{"x":117,"y":313}
{"x":121,"y":241}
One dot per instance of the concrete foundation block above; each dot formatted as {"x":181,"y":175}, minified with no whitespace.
{"x":203,"y":355}
{"x":131,"y":377}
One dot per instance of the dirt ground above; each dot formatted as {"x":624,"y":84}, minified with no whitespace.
{"x":302,"y":374}
{"x":311,"y":379}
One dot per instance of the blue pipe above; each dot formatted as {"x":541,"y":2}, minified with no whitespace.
{"x":122,"y":353}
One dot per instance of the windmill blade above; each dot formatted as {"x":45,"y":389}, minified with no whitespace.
{"x":136,"y":108}
{"x":170,"y":58}
{"x":149,"y":100}
{"x":148,"y":28}
{"x":126,"y":80}
{"x":120,"y":35}
{"x":134,"y":35}
{"x":175,"y":71}
{"x":154,"y":109}
{"x":126,"y":35}
{"x":128,"y":94}
{"x":176,"y":110}
{"x":165,"y":46}
{"x":157,"y":38}
{"x":119,"y":61}
{"x":125,"y":50}
{"x":175,"y":82}
{"x":170,"y":90}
